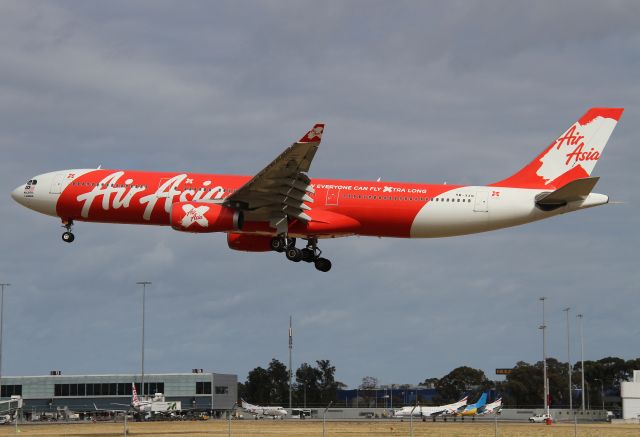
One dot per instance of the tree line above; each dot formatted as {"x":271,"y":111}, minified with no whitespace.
{"x":315,"y":385}
{"x":523,"y":387}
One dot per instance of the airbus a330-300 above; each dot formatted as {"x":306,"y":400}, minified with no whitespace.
{"x":281,"y":203}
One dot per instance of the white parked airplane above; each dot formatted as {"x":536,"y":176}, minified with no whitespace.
{"x":442,"y":410}
{"x":155,"y":405}
{"x":258,"y":411}
{"x":492,"y":408}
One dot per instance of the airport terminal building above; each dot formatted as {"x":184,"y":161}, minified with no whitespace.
{"x":197,"y":391}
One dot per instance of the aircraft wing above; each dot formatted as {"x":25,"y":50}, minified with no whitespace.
{"x":438,"y":413}
{"x":281,"y":190}
{"x":113,"y":410}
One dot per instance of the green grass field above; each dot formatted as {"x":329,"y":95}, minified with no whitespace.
{"x":249,"y":428}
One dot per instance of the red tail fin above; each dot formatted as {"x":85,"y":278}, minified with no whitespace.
{"x":134,"y":401}
{"x":572,"y":156}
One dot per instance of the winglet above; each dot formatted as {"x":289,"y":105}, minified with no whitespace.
{"x":314,"y":135}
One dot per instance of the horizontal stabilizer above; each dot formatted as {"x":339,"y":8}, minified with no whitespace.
{"x":575,"y":190}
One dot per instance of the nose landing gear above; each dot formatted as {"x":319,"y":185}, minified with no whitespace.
{"x":310,"y":254}
{"x":67,"y":236}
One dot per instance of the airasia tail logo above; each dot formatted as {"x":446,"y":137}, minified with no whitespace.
{"x":574,"y":139}
{"x":194,"y":215}
{"x":315,"y":133}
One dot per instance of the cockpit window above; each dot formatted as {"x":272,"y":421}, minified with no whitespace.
{"x":34,"y":182}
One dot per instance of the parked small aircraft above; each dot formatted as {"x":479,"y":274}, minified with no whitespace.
{"x":472,"y":409}
{"x":257,"y":411}
{"x":147,"y":407}
{"x":433,"y":412}
{"x":492,"y":408}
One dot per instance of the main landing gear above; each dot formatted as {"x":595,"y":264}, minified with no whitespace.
{"x":67,"y":236}
{"x":310,"y":254}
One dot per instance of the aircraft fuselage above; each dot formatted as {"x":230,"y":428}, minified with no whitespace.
{"x":368,"y":208}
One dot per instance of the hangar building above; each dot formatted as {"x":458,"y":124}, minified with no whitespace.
{"x":216,"y":392}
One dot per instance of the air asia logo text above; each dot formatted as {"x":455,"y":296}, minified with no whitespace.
{"x":315,"y":134}
{"x":194,"y":215}
{"x":116,"y":194}
{"x":574,"y":139}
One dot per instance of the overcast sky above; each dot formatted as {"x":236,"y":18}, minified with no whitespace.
{"x":464,"y":92}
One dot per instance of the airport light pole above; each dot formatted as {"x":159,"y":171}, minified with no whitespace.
{"x":601,"y":391}
{"x":144,"y":292}
{"x":411,"y":422}
{"x":290,"y":349}
{"x":588,"y":396}
{"x":3,"y":285}
{"x":543,"y":327}
{"x":582,"y":357}
{"x":229,"y":418}
{"x":569,"y":359}
{"x":324,"y":419}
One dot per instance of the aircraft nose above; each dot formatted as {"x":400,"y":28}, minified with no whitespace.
{"x":18,"y":194}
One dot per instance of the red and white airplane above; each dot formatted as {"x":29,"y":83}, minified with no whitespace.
{"x":281,"y":203}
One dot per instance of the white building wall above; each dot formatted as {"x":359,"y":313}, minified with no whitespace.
{"x":630,"y":393}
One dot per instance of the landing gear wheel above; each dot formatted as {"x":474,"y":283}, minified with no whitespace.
{"x":307,"y":255}
{"x":294,"y":254}
{"x":323,"y":264}
{"x":278,"y":244}
{"x":68,"y":237}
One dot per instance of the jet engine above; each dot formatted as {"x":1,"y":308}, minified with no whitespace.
{"x":249,"y":243}
{"x":205,"y":217}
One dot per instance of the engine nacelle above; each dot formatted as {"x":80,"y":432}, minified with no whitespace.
{"x":249,"y":243}
{"x":205,"y":217}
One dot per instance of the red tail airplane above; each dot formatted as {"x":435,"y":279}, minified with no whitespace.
{"x":268,"y":211}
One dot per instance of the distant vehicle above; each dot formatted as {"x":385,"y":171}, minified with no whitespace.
{"x":492,"y":408}
{"x":433,"y":412}
{"x":302,"y":413}
{"x":472,"y":409}
{"x":540,"y":418}
{"x":258,"y":412}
